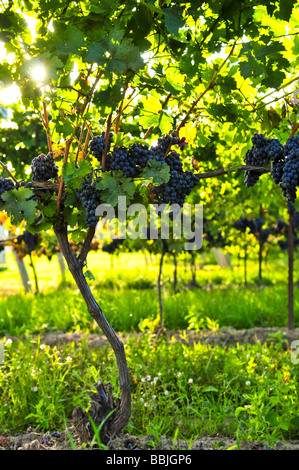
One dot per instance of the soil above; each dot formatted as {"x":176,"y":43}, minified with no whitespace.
{"x":34,"y":440}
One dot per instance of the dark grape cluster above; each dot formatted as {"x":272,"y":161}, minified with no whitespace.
{"x":274,"y":150}
{"x":177,"y":188}
{"x":277,"y":171}
{"x":90,"y":198}
{"x":164,"y":143}
{"x":255,"y":227}
{"x":256,"y":156}
{"x":181,"y":182}
{"x":112,"y":246}
{"x":285,"y":163}
{"x":289,"y":179}
{"x":6,"y":184}
{"x":130,"y":160}
{"x":281,"y":227}
{"x":243,"y":223}
{"x":263,"y":235}
{"x":118,"y":160}
{"x":30,"y":239}
{"x":174,"y":161}
{"x":97,"y":145}
{"x":43,"y":168}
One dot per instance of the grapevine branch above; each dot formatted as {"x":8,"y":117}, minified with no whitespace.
{"x":69,"y":87}
{"x":223,"y":171}
{"x":9,"y":173}
{"x":46,"y":124}
{"x":120,"y":109}
{"x":61,"y":184}
{"x":86,"y":246}
{"x":104,"y":154}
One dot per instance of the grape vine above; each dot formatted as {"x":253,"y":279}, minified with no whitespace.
{"x":284,"y":159}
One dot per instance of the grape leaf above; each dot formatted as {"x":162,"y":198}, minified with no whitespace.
{"x":88,"y":274}
{"x":158,"y":172}
{"x":114,"y":186}
{"x":173,"y":19}
{"x":72,"y":174}
{"x":17,"y":205}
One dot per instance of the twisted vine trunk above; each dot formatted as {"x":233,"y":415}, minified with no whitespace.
{"x":112,"y":417}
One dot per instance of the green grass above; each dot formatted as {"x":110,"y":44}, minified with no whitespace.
{"x":249,"y":392}
{"x":128,"y":294}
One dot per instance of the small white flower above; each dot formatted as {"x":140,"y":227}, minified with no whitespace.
{"x":166,"y":392}
{"x":154,"y":397}
{"x":34,"y":389}
{"x":148,"y":378}
{"x":69,"y":359}
{"x":42,"y":346}
{"x":258,"y":355}
{"x":179,"y":374}
{"x":248,"y":382}
{"x":141,"y":400}
{"x":248,"y":356}
{"x":159,"y":374}
{"x":190,"y":381}
{"x":8,"y":342}
{"x":143,"y":379}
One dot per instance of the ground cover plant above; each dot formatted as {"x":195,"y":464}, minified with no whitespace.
{"x":180,"y":391}
{"x":143,"y":104}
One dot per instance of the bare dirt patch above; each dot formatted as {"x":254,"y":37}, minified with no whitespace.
{"x":223,"y":336}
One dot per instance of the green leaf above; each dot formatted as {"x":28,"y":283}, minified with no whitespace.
{"x":50,"y":209}
{"x":72,"y":174}
{"x":158,"y":172}
{"x":239,"y":409}
{"x":18,"y":207}
{"x":223,"y":113}
{"x":209,"y":388}
{"x":113,"y":186}
{"x":173,"y":19}
{"x":64,"y":128}
{"x":96,"y":53}
{"x":271,"y":417}
{"x":124,"y":54}
{"x":285,"y":9}
{"x":69,"y":39}
{"x":263,"y":52}
{"x":88,"y":274}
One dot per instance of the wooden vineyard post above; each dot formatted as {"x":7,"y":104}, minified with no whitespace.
{"x":260,"y":260}
{"x":291,"y":271}
{"x":23,"y":272}
{"x":61,"y":263}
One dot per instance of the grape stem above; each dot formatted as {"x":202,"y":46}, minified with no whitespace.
{"x":9,"y":173}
